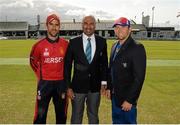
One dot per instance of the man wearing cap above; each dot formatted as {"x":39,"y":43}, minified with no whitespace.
{"x":88,"y":53}
{"x":47,"y":61}
{"x":126,"y":74}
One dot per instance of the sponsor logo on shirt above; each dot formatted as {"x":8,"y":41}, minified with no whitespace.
{"x":53,"y":60}
{"x":46,"y":53}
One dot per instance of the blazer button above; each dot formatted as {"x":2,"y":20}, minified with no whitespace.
{"x":89,"y":75}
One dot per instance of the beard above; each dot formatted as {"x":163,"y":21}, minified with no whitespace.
{"x":53,"y":35}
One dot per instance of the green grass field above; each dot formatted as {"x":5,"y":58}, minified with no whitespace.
{"x":159,"y":101}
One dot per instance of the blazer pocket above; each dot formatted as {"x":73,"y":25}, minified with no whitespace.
{"x":81,"y":67}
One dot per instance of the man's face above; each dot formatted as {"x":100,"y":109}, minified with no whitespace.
{"x":53,"y":28}
{"x":122,"y":32}
{"x":88,"y":25}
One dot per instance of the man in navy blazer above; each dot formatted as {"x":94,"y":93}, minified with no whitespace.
{"x":88,"y":54}
{"x":127,"y":73}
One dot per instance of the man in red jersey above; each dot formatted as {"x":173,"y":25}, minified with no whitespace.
{"x":47,"y":61}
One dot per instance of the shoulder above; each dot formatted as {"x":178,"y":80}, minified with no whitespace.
{"x":100,"y":41}
{"x":76,"y":38}
{"x":64,"y":41}
{"x":39,"y":43}
{"x":138,"y":44}
{"x":99,"y":38}
{"x":138,"y":47}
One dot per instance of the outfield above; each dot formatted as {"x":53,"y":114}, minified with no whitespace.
{"x":159,"y":101}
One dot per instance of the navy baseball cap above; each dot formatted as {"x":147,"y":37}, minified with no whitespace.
{"x":122,"y":21}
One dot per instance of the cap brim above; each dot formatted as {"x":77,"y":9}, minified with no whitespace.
{"x":119,"y":25}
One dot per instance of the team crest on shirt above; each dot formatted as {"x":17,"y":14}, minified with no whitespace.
{"x":61,"y":50}
{"x":46,"y":52}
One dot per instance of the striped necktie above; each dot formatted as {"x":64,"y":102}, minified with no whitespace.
{"x":88,"y":50}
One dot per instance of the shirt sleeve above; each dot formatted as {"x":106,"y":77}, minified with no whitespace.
{"x":35,"y":60}
{"x":103,"y":82}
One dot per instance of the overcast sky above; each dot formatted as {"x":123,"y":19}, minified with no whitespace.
{"x":165,"y":11}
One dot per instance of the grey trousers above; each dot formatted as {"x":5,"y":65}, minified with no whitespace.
{"x":92,"y":101}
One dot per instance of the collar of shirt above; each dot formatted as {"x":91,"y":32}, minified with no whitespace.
{"x":52,"y":41}
{"x":93,"y":43}
{"x":85,"y":37}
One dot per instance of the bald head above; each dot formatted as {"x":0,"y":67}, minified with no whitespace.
{"x":90,"y":17}
{"x":89,"y":25}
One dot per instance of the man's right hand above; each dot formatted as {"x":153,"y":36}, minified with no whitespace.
{"x":70,"y":93}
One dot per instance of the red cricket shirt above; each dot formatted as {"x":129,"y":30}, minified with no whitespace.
{"x":47,"y":59}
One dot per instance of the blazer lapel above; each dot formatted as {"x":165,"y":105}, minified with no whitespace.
{"x":97,"y":48}
{"x":124,"y":46}
{"x":119,"y":52}
{"x":112,"y":51}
